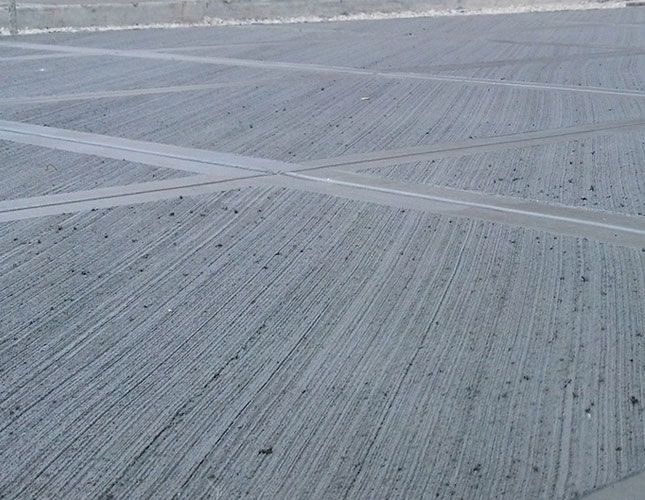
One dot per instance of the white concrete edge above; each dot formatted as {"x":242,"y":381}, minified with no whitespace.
{"x":208,"y":21}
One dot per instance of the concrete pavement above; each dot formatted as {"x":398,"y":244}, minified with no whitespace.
{"x":249,"y":262}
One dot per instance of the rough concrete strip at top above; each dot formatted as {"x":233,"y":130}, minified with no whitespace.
{"x":110,"y":15}
{"x":193,"y":160}
{"x":318,"y":68}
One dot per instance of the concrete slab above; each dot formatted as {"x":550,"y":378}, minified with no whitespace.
{"x":298,"y":309}
{"x":221,"y":335}
{"x":617,"y":27}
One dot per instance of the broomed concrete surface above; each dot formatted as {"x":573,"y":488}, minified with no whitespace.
{"x":381,"y":259}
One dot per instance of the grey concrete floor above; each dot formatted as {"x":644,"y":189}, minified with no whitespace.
{"x":378,"y":259}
